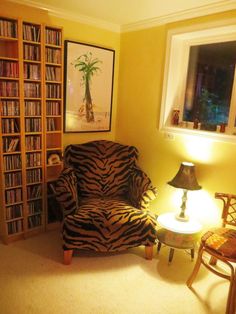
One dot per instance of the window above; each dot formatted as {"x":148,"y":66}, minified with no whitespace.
{"x":200,"y":83}
{"x":209,"y":84}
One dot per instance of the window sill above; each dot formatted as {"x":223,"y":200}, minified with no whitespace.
{"x":179,"y":43}
{"x":215,"y":136}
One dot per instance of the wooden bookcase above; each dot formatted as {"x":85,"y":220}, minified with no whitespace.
{"x":53,"y":90}
{"x":31,"y":100}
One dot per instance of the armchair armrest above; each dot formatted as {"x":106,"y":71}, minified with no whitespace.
{"x":66,"y":191}
{"x":141,"y":191}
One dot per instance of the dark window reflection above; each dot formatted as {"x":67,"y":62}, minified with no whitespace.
{"x":209,"y":84}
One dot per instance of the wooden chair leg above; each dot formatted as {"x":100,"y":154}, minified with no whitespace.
{"x":158,"y":246}
{"x":149,"y":252}
{"x":192,"y":254}
{"x":195,"y":269}
{"x":213,"y":261}
{"x":231,"y":301}
{"x":171,"y":254}
{"x":67,"y":257}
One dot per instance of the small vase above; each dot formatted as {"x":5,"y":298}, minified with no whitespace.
{"x":175,"y":117}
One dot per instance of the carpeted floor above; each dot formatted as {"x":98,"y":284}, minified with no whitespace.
{"x":34,"y":280}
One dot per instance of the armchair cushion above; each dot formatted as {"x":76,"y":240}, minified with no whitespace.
{"x":108,"y":225}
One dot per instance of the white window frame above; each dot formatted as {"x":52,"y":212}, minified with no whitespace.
{"x":179,"y":43}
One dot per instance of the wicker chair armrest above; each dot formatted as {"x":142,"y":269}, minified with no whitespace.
{"x":66,"y":191}
{"x":141,"y":190}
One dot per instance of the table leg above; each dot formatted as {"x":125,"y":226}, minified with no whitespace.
{"x":192,"y":254}
{"x":171,"y":255}
{"x":158,"y":246}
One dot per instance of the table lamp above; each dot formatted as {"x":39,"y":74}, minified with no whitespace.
{"x":185,"y":179}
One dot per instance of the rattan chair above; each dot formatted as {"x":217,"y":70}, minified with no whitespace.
{"x":220,"y":244}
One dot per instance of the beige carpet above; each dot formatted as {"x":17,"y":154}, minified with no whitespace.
{"x":34,"y":280}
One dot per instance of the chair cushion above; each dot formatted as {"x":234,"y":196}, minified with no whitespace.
{"x":108,"y":225}
{"x":222,"y":241}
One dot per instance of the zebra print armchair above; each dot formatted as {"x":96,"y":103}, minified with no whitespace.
{"x":104,"y":196}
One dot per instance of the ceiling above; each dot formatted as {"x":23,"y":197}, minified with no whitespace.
{"x":121,"y":13}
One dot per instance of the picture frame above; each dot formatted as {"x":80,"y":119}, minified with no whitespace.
{"x":88,"y":88}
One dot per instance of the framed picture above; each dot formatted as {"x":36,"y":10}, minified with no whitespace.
{"x":89,"y":72}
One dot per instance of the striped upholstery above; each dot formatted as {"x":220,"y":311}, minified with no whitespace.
{"x":67,"y":191}
{"x":105,"y":196}
{"x":108,"y":225}
{"x":141,"y":191}
{"x":102,"y":167}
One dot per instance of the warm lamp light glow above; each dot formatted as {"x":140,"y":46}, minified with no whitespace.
{"x":198,"y":148}
{"x":201,"y":206}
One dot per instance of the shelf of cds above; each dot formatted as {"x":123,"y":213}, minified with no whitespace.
{"x":53,"y":90}
{"x":31,"y":100}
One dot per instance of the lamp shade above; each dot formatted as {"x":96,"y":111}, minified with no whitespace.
{"x":185,"y":178}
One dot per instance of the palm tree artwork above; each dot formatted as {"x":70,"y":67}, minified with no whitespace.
{"x":88,"y":66}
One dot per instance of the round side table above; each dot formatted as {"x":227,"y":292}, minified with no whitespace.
{"x":177,"y":234}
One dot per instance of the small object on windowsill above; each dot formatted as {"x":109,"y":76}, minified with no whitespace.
{"x":195,"y":123}
{"x":175,"y":117}
{"x":222,"y":128}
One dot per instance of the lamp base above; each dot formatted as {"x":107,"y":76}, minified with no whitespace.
{"x":182,"y":218}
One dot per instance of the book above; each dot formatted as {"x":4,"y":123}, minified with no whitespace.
{"x":13,"y":145}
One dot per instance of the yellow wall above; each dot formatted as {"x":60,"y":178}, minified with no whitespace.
{"x":139,"y":66}
{"x":77,"y":32}
{"x":142,"y":58}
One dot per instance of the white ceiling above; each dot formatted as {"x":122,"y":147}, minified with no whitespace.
{"x":120,"y":13}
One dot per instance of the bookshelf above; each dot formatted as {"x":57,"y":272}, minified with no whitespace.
{"x":53,"y":72}
{"x":31,"y":99}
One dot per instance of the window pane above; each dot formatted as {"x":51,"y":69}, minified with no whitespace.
{"x":209,"y":84}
